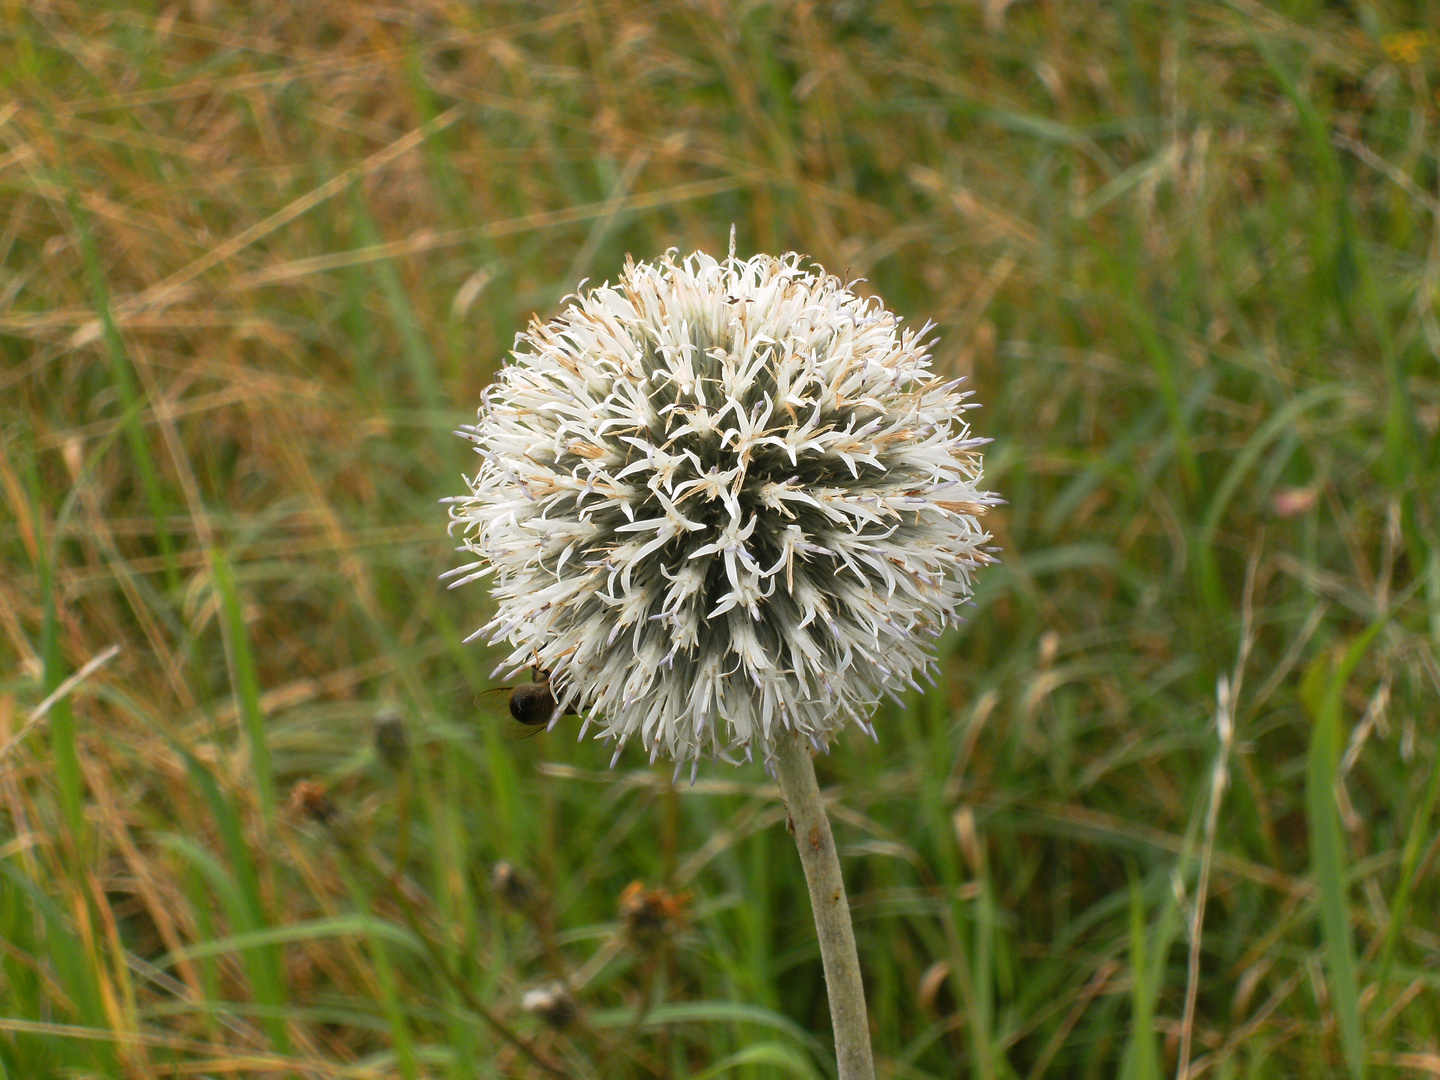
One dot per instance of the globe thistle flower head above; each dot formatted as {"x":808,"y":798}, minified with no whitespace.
{"x":721,"y":501}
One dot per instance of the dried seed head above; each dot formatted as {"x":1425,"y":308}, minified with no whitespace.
{"x":931,"y":984}
{"x":392,"y":740}
{"x":553,"y":1003}
{"x":721,"y":501}
{"x":651,"y":915}
{"x":512,"y":887}
{"x":308,"y":799}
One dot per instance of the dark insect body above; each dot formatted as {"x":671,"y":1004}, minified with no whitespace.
{"x":533,"y":704}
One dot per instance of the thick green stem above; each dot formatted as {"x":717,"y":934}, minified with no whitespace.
{"x":796,"y":774}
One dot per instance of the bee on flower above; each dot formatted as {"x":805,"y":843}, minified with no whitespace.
{"x":721,"y":501}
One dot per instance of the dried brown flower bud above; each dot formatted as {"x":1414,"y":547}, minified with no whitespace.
{"x":553,"y":1003}
{"x":308,"y":799}
{"x":1293,"y":502}
{"x":512,"y":886}
{"x":392,"y":741}
{"x":650,"y":915}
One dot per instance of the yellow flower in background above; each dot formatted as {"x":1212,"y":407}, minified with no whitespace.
{"x":1405,"y":47}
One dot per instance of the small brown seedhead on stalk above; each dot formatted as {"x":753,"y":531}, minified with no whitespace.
{"x":651,"y":915}
{"x":308,"y":799}
{"x":512,"y":886}
{"x":392,"y":741}
{"x":552,"y":1003}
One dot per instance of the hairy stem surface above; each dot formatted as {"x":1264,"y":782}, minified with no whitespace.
{"x":796,"y":774}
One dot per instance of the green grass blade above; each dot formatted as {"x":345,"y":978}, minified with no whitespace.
{"x":262,"y":960}
{"x":771,"y":1055}
{"x":401,"y":1038}
{"x":419,"y":358}
{"x":1409,"y":861}
{"x":244,"y":682}
{"x":709,"y":1012}
{"x":1142,"y":1057}
{"x":1162,"y":361}
{"x":1327,"y":853}
{"x":131,"y":399}
{"x":1117,"y":456}
{"x":71,"y":966}
{"x":1240,"y":466}
{"x":310,"y":930}
{"x":265,"y":971}
{"x":62,"y":718}
{"x":54,"y":671}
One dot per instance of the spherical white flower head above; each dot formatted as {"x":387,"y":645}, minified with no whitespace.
{"x":721,"y":501}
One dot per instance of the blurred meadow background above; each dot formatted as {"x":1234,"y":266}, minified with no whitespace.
{"x":258,"y":816}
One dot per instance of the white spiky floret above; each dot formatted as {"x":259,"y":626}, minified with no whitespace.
{"x":721,"y":500}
